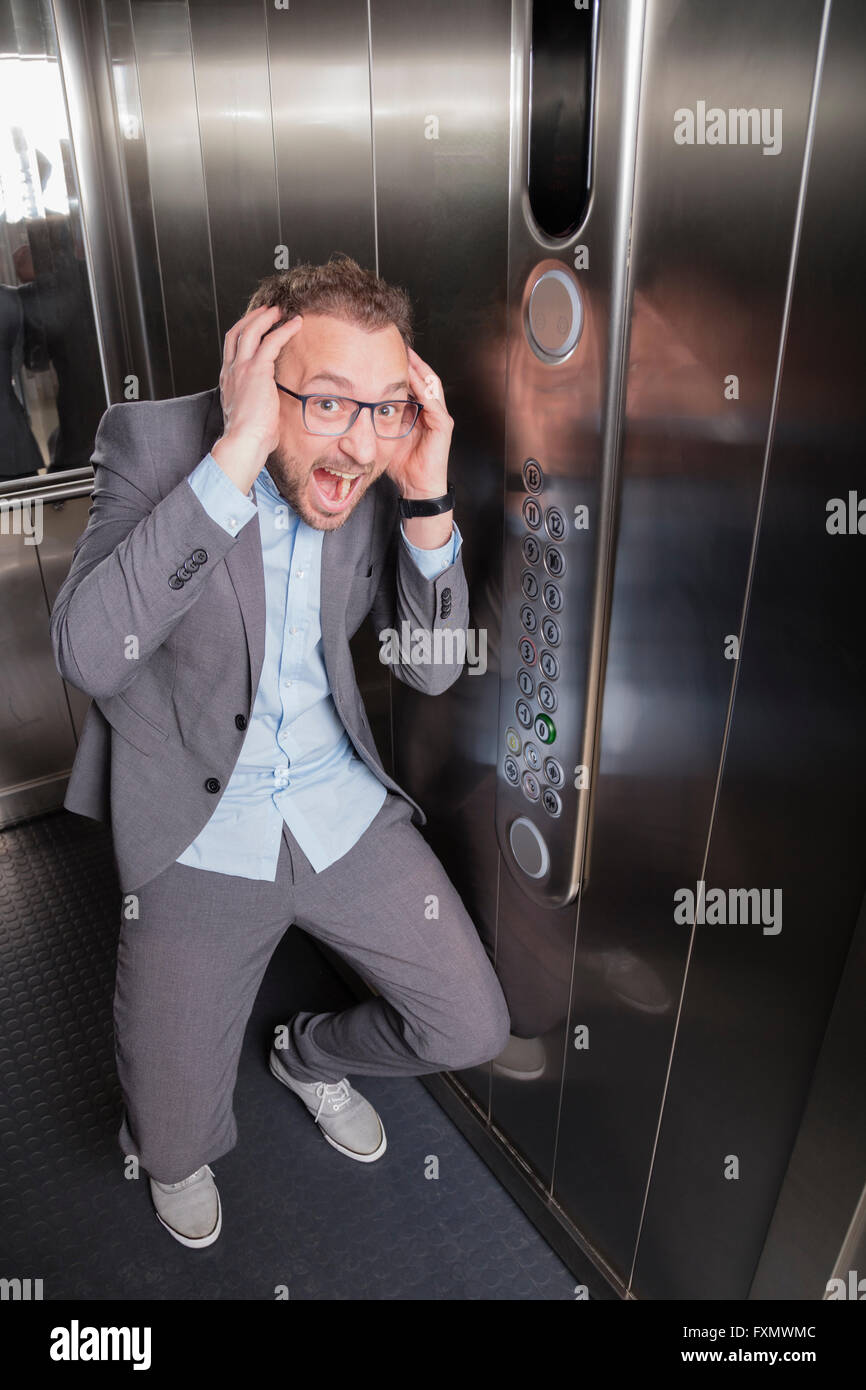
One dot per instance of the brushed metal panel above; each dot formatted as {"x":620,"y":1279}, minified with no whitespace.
{"x":440,"y":84}
{"x":564,"y":416}
{"x":166,"y":91}
{"x":791,"y":813}
{"x":709,"y":291}
{"x":820,"y":1212}
{"x":319,"y":66}
{"x":125,"y":134}
{"x":229,"y":45}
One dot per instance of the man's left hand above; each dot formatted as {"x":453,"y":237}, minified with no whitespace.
{"x":420,"y":465}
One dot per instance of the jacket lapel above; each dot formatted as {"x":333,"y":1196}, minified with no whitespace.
{"x":336,"y":577}
{"x":244,"y":564}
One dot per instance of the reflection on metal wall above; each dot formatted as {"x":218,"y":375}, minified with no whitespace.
{"x":52,"y":394}
{"x":647,"y":335}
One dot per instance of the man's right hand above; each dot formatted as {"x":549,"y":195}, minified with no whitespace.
{"x":250,"y":400}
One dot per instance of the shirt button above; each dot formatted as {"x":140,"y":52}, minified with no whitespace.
{"x":299,"y":573}
{"x":232,"y":521}
{"x":287,"y":682}
{"x":293,"y":629}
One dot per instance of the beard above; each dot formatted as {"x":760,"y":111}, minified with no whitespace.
{"x":294,"y":484}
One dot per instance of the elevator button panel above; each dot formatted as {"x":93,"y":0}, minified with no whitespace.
{"x":547,"y":598}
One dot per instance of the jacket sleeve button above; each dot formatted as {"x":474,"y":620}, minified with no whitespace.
{"x":200,"y":556}
{"x":174,"y":582}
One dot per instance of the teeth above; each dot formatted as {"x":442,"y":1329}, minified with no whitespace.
{"x":346,"y":480}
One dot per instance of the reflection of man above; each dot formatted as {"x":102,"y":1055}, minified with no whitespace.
{"x":19,"y":453}
{"x":241,"y":685}
{"x":59,"y":327}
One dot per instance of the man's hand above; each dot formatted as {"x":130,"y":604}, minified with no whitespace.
{"x":420,"y":467}
{"x":250,"y":400}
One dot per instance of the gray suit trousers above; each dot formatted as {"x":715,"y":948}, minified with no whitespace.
{"x":190,"y":965}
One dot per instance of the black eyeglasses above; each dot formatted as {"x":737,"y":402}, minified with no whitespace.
{"x":337,"y":414}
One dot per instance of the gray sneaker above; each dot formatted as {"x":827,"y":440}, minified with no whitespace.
{"x":190,"y":1209}
{"x":346,"y":1119}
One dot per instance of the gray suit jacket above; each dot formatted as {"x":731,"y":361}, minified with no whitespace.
{"x":173,"y":662}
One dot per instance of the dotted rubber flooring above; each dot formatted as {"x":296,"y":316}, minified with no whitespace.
{"x":296,"y":1213}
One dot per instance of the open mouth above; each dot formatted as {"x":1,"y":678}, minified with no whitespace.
{"x":335,"y":487}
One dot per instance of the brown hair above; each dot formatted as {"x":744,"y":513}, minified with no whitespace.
{"x":341,"y":288}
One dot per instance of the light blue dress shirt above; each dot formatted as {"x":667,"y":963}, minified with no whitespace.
{"x":297,"y":764}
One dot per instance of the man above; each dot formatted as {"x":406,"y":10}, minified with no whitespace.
{"x":236,"y":540}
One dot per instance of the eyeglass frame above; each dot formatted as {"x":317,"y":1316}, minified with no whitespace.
{"x":360,"y":405}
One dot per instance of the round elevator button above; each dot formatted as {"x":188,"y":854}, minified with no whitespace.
{"x":533,"y":479}
{"x":531,"y":549}
{"x":528,"y":847}
{"x":554,"y":317}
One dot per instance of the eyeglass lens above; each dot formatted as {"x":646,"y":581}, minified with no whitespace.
{"x":333,"y":414}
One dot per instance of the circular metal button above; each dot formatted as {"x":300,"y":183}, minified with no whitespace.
{"x":555,"y":524}
{"x":528,"y":847}
{"x":553,"y":772}
{"x":512,"y":741}
{"x":532,"y":513}
{"x":529,"y":584}
{"x":532,"y":756}
{"x":531,"y":788}
{"x":512,"y":771}
{"x":533,"y":478}
{"x":551,"y":631}
{"x":524,"y":713}
{"x":527,"y":651}
{"x":529,"y":618}
{"x":525,"y":682}
{"x":552,"y":596}
{"x":554,"y":561}
{"x":554,"y":315}
{"x":546,"y":696}
{"x":549,"y":665}
{"x":552,"y":802}
{"x":545,"y":728}
{"x":531,"y":550}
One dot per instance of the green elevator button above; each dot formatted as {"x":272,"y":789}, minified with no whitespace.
{"x":545,"y":728}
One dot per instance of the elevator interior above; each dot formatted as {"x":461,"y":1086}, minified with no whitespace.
{"x":632,"y":235}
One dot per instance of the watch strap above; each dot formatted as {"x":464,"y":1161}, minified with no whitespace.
{"x":427,"y":506}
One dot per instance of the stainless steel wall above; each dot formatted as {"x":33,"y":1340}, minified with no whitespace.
{"x":651,"y":1096}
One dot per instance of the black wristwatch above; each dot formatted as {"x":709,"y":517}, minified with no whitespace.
{"x":427,"y":506}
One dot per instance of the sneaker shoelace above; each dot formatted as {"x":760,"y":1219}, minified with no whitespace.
{"x":328,"y":1093}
